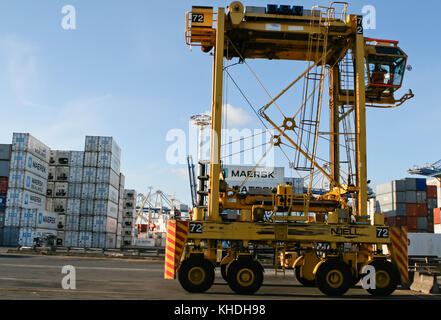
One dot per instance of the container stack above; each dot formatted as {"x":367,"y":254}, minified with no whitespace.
{"x":407,"y":202}
{"x":119,"y":227}
{"x":26,"y":216}
{"x":5,"y":157}
{"x":101,"y":182}
{"x":129,"y":218}
{"x":58,"y":189}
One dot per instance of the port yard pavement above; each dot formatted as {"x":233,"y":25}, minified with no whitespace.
{"x":31,"y":277}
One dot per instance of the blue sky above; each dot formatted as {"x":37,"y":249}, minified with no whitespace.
{"x":126,"y":72}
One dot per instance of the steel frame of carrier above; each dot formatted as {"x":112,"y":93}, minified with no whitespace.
{"x":327,"y":252}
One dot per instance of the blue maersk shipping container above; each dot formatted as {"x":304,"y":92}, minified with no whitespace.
{"x":421,"y":184}
{"x":10,"y":236}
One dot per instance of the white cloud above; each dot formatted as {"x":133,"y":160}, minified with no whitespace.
{"x":236,"y":117}
{"x":180,"y":172}
{"x":20,"y":61}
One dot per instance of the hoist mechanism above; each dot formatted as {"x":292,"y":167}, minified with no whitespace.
{"x":331,"y":235}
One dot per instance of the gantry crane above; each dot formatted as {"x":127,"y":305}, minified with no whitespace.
{"x":332,"y":236}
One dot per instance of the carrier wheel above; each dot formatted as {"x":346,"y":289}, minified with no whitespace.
{"x":333,"y":278}
{"x":386,"y":278}
{"x":196,"y":274}
{"x":302,"y":280}
{"x":245,"y":276}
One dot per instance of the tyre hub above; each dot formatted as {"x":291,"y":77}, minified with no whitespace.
{"x":334,"y":278}
{"x":196,"y":275}
{"x":245,"y":277}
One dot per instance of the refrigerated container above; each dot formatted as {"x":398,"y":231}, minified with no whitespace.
{"x":87,"y":207}
{"x":106,"y":191}
{"x":91,"y":144}
{"x":109,"y":160}
{"x":73,"y":206}
{"x":74,"y":190}
{"x":88,"y":191}
{"x":25,"y":199}
{"x":61,"y":189}
{"x":107,"y":176}
{"x":76,"y":158}
{"x":90,"y":159}
{"x":61,"y":173}
{"x":105,"y":208}
{"x":89,"y":175}
{"x":26,"y":142}
{"x":21,"y":160}
{"x":76,"y":175}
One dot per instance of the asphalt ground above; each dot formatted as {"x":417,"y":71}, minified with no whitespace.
{"x":31,"y":277}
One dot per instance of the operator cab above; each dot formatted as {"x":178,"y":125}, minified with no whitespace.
{"x":385,"y":63}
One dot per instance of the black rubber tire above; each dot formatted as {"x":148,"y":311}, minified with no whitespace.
{"x":335,"y":267}
{"x":236,"y":267}
{"x":303,"y":281}
{"x":389,"y":268}
{"x":190,"y":264}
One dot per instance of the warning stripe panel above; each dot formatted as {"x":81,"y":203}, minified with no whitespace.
{"x":399,"y":251}
{"x":177,"y":233}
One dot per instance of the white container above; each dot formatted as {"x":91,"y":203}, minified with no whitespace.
{"x":108,"y":144}
{"x":110,"y":241}
{"x":62,"y":158}
{"x":26,"y":161}
{"x":73,"y":206}
{"x":86,"y":223}
{"x":52,"y":173}
{"x":47,"y":220}
{"x":61,"y":189}
{"x":91,"y":143}
{"x":437,"y":228}
{"x":98,"y":240}
{"x":90,"y":159}
{"x":76,"y":158}
{"x":142,"y":242}
{"x":60,"y":238}
{"x":22,"y":179}
{"x":107,"y":176}
{"x":104,"y":224}
{"x":25,"y":199}
{"x":52,"y":155}
{"x":72,"y":223}
{"x":424,"y":244}
{"x":61,"y":222}
{"x":109,"y":160}
{"x":59,"y":205}
{"x":87,"y":207}
{"x":50,"y":189}
{"x":106,"y":191}
{"x":89,"y":175}
{"x":26,"y":142}
{"x":105,"y":208}
{"x":85,"y":239}
{"x":61,"y":173}
{"x":71,"y":239}
{"x":76,"y":175}
{"x":26,"y":237}
{"x":129,"y":204}
{"x":130,"y":194}
{"x":118,"y":242}
{"x":28,"y":218}
{"x":74,"y":190}
{"x":12,"y":217}
{"x":88,"y":191}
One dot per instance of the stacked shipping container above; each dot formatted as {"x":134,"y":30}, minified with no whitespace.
{"x":407,"y":202}
{"x":26,"y":217}
{"x":129,"y":218}
{"x":5,"y":157}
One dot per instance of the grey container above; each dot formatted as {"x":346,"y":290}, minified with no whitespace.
{"x":4,"y":168}
{"x":1,"y":236}
{"x":421,"y":196}
{"x":411,"y":197}
{"x":410,"y":184}
{"x":393,"y":209}
{"x":10,"y":236}
{"x":389,"y":187}
{"x":432,"y":203}
{"x":392,"y":197}
{"x":5,"y":151}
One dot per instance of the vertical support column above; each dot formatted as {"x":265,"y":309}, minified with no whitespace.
{"x":216,"y":118}
{"x":360,"y":117}
{"x":334,"y":125}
